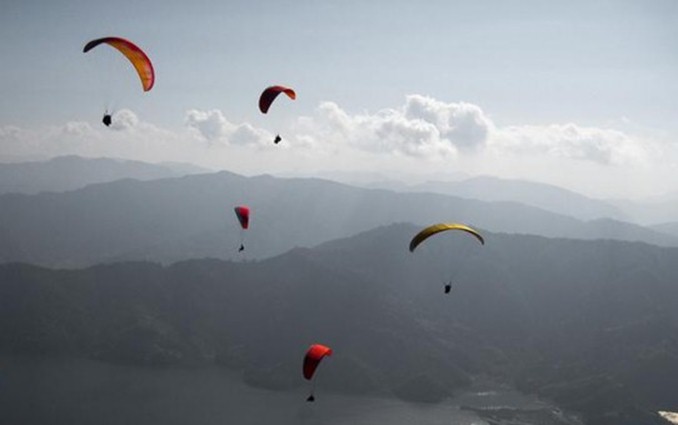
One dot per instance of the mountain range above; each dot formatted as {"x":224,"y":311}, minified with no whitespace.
{"x":73,"y":172}
{"x":177,"y":218}
{"x":547,"y":197}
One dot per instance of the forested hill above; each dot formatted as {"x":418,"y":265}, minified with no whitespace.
{"x":590,"y":324}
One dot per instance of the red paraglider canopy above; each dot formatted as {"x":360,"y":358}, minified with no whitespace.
{"x":313,"y":357}
{"x":243,"y":214}
{"x":269,"y":95}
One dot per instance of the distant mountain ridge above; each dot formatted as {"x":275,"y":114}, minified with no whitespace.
{"x":540,"y":195}
{"x":651,"y":212}
{"x":73,"y":172}
{"x":192,"y":216}
{"x":667,"y":228}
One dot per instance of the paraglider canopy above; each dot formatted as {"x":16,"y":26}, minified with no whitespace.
{"x":270,"y":93}
{"x":314,"y":355}
{"x":243,"y":214}
{"x":442,"y":227}
{"x":142,"y":64}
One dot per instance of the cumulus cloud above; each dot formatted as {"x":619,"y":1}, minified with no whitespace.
{"x":213,"y":126}
{"x":428,"y":128}
{"x":18,"y":142}
{"x":570,"y":141}
{"x":210,"y":124}
{"x":463,"y":124}
{"x":420,"y":128}
{"x":126,"y":137}
{"x":77,"y":128}
{"x":423,"y":127}
{"x":124,"y":120}
{"x":9,"y":131}
{"x":132,"y":138}
{"x":14,"y":141}
{"x":421,"y":135}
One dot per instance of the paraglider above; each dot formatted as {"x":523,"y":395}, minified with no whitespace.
{"x":442,"y":227}
{"x":268,"y":96}
{"x":243,"y":214}
{"x":312,"y":359}
{"x":139,"y":60}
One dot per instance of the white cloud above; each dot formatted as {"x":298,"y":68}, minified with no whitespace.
{"x":9,"y":132}
{"x":127,"y":137}
{"x":570,"y":141}
{"x":430,"y":129}
{"x":419,"y":137}
{"x":423,"y":127}
{"x":214,"y":127}
{"x":77,"y":128}
{"x":463,"y":124}
{"x":238,"y":147}
{"x":124,"y":120}
{"x":210,"y":124}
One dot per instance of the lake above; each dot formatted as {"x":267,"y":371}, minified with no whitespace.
{"x":67,"y":391}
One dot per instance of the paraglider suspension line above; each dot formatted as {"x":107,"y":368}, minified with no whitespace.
{"x":311,"y":396}
{"x":242,"y":241}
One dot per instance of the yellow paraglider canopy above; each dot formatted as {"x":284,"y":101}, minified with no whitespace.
{"x":442,"y":227}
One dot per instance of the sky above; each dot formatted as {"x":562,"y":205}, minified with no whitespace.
{"x":581,"y":94}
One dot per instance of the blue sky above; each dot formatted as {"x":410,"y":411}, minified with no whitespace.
{"x":608,"y":65}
